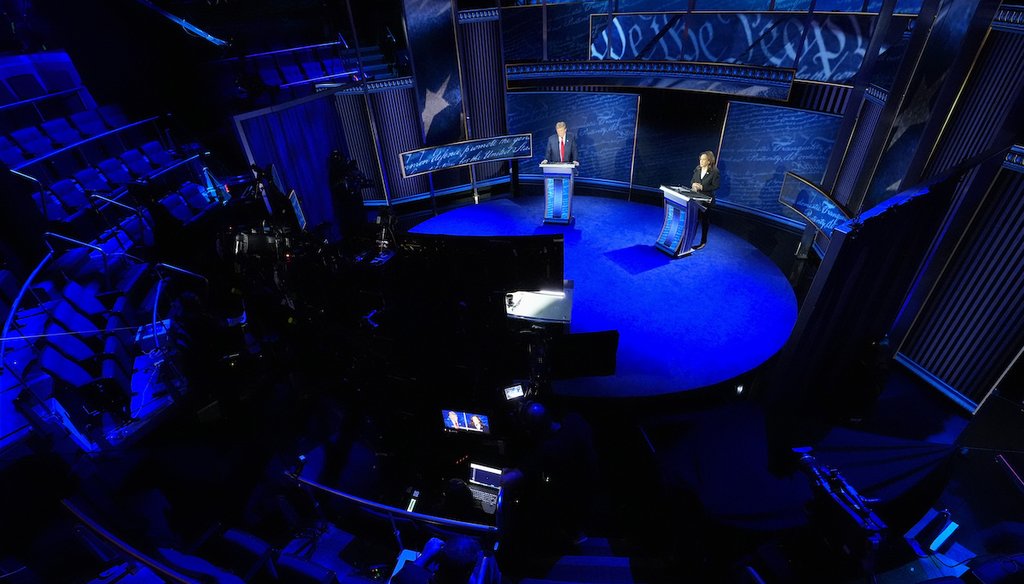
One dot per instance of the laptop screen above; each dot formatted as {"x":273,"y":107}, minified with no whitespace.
{"x":484,"y":475}
{"x":456,"y":420}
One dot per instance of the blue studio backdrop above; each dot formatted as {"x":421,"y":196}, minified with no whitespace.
{"x":761,"y":143}
{"x":604,"y":125}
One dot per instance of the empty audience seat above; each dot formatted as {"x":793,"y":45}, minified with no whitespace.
{"x":89,"y":123}
{"x":268,"y":72}
{"x":6,"y":95}
{"x":156,"y":153}
{"x":69,"y":194}
{"x":115,"y":171}
{"x":11,"y":156}
{"x":32,"y":142}
{"x":177,"y":207}
{"x":26,"y":86}
{"x":290,"y":70}
{"x":136,"y":163}
{"x":61,"y":132}
{"x":112,"y":116}
{"x":194,"y":195}
{"x":90,"y":179}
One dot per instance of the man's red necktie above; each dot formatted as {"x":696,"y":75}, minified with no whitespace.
{"x":561,"y":148}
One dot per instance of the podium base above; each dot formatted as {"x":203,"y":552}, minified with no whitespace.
{"x":672,"y":253}
{"x":554,"y":221}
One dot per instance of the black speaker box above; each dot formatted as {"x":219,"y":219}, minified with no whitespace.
{"x":584,"y":354}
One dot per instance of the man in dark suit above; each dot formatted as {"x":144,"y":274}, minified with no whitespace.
{"x":561,"y":148}
{"x":705,"y":181}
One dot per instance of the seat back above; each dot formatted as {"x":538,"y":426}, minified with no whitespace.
{"x":88,"y":123}
{"x":115,"y":171}
{"x":156,"y":153}
{"x":135,"y":162}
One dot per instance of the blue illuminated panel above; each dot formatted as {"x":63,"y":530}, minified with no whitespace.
{"x":838,"y":5}
{"x":731,"y":5}
{"x":792,"y":5}
{"x":556,"y":207}
{"x":833,"y":51}
{"x":812,"y":204}
{"x":604,"y":126}
{"x":761,"y":143}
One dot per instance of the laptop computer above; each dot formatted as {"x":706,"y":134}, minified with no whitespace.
{"x":485,"y":482}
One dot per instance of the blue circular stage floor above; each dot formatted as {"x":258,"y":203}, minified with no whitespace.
{"x":683,"y":324}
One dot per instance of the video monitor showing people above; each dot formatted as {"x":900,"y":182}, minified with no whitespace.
{"x":514,"y":391}
{"x":458,"y":421}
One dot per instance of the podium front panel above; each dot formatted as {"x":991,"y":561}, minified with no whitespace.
{"x":679,"y":228}
{"x":558,"y":186}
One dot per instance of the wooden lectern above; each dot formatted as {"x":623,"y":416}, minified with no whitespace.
{"x":558,"y":181}
{"x":682,"y":207}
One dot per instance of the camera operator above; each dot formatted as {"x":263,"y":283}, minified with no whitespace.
{"x":347,"y":182}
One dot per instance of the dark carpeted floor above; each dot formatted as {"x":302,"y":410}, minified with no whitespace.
{"x":684,"y":323}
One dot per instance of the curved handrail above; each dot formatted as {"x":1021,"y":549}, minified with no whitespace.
{"x":39,"y":185}
{"x":125,"y":548}
{"x":32,"y":101}
{"x":162,"y":171}
{"x":320,"y":79}
{"x":395,"y":511}
{"x":288,"y":50}
{"x":160,"y":288}
{"x":106,"y":256}
{"x":180,"y":270}
{"x":115,"y":202}
{"x":50,"y":234}
{"x":136,"y":210}
{"x":17,"y":302}
{"x":156,"y":310}
{"x":31,"y":278}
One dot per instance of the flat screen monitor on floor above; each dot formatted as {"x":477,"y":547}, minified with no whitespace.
{"x":492,"y":263}
{"x":459,"y":421}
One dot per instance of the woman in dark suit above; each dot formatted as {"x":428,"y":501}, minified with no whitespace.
{"x":705,"y":181}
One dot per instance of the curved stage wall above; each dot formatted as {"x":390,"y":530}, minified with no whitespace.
{"x":650,"y":140}
{"x":683,"y":324}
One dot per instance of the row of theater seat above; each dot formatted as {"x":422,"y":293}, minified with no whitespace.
{"x":230,"y":555}
{"x":72,"y":344}
{"x":283,"y":67}
{"x":28,"y":85}
{"x":188,"y":203}
{"x":72,"y":335}
{"x":22,"y":145}
{"x":68,"y":199}
{"x":295,"y":73}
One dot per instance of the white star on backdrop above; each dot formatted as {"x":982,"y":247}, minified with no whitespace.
{"x":918,"y":112}
{"x":439,"y":9}
{"x":434,"y":104}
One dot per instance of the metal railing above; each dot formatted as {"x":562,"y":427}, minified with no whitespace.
{"x":159,"y":268}
{"x":488,"y":532}
{"x":125,"y":548}
{"x":16,"y":303}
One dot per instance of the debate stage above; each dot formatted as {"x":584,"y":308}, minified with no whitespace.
{"x":684,"y":324}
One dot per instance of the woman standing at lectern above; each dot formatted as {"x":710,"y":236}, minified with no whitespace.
{"x":705,"y":181}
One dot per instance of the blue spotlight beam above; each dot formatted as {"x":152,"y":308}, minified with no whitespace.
{"x":189,"y":27}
